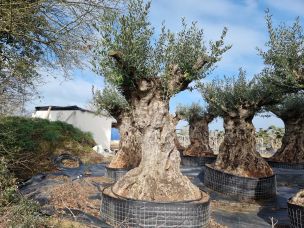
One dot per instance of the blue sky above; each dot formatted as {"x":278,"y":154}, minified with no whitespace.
{"x":246,"y":31}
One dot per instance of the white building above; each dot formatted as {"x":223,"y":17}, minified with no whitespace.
{"x":86,"y":120}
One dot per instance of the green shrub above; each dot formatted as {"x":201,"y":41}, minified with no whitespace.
{"x":29,"y":144}
{"x":15,"y":210}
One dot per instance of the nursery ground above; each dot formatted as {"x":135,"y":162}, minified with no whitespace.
{"x":74,"y":193}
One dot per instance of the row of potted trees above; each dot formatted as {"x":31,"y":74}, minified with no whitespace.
{"x":142,"y":75}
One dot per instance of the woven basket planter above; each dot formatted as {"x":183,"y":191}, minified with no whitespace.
{"x":296,"y":215}
{"x":114,"y":173}
{"x":285,"y":165}
{"x":242,"y":188}
{"x":196,"y":161}
{"x":123,"y":212}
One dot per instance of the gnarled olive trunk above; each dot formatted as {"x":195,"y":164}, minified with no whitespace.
{"x":199,"y":138}
{"x":292,"y":149}
{"x":158,"y":176}
{"x":178,"y":145}
{"x":129,"y":153}
{"x":237,"y":153}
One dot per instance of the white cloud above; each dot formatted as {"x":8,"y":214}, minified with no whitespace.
{"x":244,"y":19}
{"x":61,"y":92}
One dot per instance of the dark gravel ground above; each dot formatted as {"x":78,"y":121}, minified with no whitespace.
{"x":225,"y":210}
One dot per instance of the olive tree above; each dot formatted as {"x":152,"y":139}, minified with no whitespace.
{"x":113,"y":102}
{"x":237,"y":101}
{"x":148,"y":72}
{"x":198,"y":118}
{"x":284,"y":56}
{"x":291,"y":111}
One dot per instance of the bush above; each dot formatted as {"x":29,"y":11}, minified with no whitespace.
{"x":15,"y":210}
{"x":28,"y":144}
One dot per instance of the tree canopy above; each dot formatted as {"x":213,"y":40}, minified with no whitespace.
{"x":291,"y":106}
{"x":194,"y":112}
{"x":39,"y":35}
{"x":229,"y":96}
{"x":284,"y":56}
{"x":110,"y":100}
{"x":129,"y":52}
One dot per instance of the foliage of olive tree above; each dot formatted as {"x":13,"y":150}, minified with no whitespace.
{"x":198,"y":118}
{"x":291,"y":111}
{"x":148,"y":72}
{"x":271,"y":137}
{"x":237,"y":101}
{"x":285,"y":54}
{"x":42,"y":35}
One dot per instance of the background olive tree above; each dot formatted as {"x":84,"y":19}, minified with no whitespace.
{"x":111,"y":101}
{"x":284,"y":54}
{"x":237,"y":100}
{"x":291,"y":111}
{"x":198,"y":118}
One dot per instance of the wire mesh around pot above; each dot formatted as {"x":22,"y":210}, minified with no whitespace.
{"x":196,"y":161}
{"x":114,"y":173}
{"x":285,"y":165}
{"x":242,"y":188}
{"x":296,"y":215}
{"x":123,"y":212}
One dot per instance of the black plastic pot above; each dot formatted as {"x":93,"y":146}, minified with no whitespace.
{"x":296,"y":215}
{"x":241,"y":188}
{"x":285,"y":165}
{"x":196,"y":161}
{"x":123,"y":212}
{"x":115,"y":173}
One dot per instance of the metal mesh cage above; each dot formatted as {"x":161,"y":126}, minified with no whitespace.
{"x":243,"y":188}
{"x":115,"y":174}
{"x":121,"y":212}
{"x":296,"y":215}
{"x":196,"y":161}
{"x":285,"y":165}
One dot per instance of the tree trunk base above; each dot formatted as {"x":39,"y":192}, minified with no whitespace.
{"x":116,"y":211}
{"x":196,"y":152}
{"x":292,"y":149}
{"x":145,"y":184}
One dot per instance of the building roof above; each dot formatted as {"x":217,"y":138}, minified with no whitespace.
{"x":67,"y":108}
{"x":61,"y":108}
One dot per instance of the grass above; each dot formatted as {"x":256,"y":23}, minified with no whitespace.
{"x":28,"y":144}
{"x":15,"y":210}
{"x":27,"y":147}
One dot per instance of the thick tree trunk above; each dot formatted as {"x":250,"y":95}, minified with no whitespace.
{"x":199,"y":138}
{"x":158,"y":176}
{"x":237,"y":154}
{"x":179,"y":147}
{"x":292,"y":149}
{"x":129,"y":153}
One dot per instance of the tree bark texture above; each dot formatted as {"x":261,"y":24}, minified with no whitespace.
{"x":199,"y":138}
{"x":237,"y":153}
{"x":292,"y":149}
{"x":158,"y":176}
{"x":129,"y":153}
